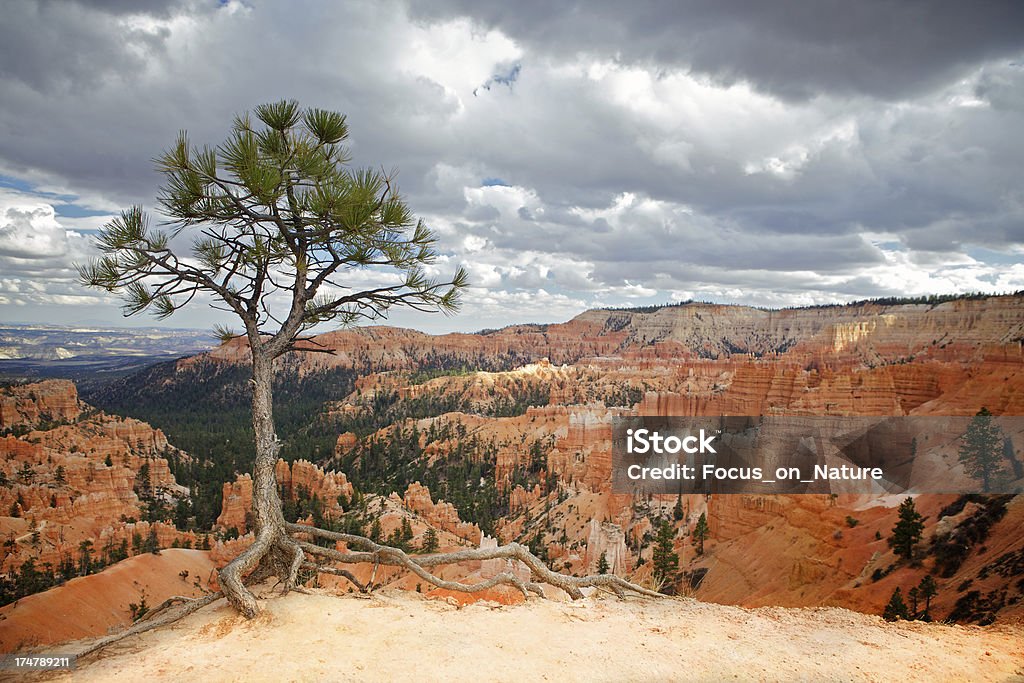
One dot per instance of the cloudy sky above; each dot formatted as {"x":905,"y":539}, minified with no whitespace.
{"x":570,"y":155}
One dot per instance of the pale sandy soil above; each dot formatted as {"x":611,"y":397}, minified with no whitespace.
{"x":402,"y":636}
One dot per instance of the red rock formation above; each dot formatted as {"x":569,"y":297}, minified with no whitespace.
{"x":28,"y":405}
{"x":345,"y":443}
{"x":440,"y":515}
{"x":301,"y":477}
{"x":61,"y":487}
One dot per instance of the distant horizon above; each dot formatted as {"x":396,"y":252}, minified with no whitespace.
{"x":883,"y":301}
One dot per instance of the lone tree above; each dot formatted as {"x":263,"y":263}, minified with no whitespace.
{"x":268,"y":225}
{"x":907,"y":531}
{"x":982,"y":451}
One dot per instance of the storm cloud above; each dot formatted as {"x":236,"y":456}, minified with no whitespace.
{"x":569,"y":154}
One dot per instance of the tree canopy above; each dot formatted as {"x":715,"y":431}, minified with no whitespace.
{"x":274,"y":219}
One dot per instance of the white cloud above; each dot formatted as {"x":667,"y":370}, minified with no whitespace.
{"x":31,"y":231}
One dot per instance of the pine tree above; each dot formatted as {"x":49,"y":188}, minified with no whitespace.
{"x":677,"y":511}
{"x":927,"y":589}
{"x":602,"y":564}
{"x":143,"y":486}
{"x":981,"y":453}
{"x":700,"y":532}
{"x":152,"y":544}
{"x":139,"y":609}
{"x":59,"y":477}
{"x":84,"y":557}
{"x":136,"y":543}
{"x":280,"y":228}
{"x":907,"y":531}
{"x":665,"y":560}
{"x":896,"y":609}
{"x":430,"y":541}
{"x":181,"y":514}
{"x":913,"y":595}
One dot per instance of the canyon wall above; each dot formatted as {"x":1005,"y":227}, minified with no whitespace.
{"x":77,"y":478}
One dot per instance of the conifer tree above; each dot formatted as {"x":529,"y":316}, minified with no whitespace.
{"x":700,"y":532}
{"x":430,"y":542}
{"x":907,"y":531}
{"x":279,"y":232}
{"x":84,"y":557}
{"x":896,"y":609}
{"x":913,"y":595}
{"x":927,"y":589}
{"x":272,"y":213}
{"x":602,"y":564}
{"x":664,"y":558}
{"x":981,"y":451}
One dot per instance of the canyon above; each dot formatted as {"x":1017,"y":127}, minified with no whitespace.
{"x":944,"y":359}
{"x":531,"y":408}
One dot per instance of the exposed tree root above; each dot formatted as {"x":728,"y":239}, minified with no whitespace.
{"x":269,"y":554}
{"x":231,"y":576}
{"x":338,"y":572}
{"x":152,"y":621}
{"x":298,"y":558}
{"x":417,"y":564}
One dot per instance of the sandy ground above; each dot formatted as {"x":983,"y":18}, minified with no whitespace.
{"x":398,"y":635}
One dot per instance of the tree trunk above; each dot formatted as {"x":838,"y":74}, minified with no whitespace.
{"x":273,"y":551}
{"x":266,"y":501}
